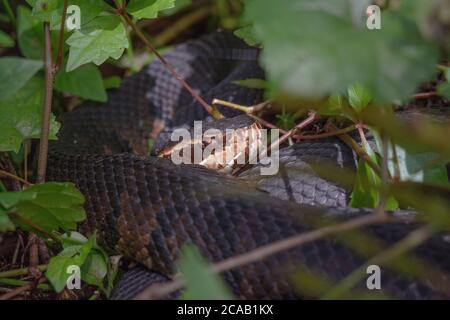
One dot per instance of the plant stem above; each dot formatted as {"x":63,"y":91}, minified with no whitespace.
{"x":20,"y":272}
{"x":414,"y":239}
{"x":12,"y":176}
{"x":15,"y":282}
{"x":9,"y":11}
{"x":49,"y":75}
{"x":59,"y":56}
{"x":37,"y":228}
{"x":359,"y":151}
{"x":169,"y":67}
{"x":182,"y":24}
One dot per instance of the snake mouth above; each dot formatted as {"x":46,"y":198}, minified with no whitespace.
{"x":216,"y":148}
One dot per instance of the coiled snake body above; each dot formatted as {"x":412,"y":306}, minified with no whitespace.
{"x":147,"y":208}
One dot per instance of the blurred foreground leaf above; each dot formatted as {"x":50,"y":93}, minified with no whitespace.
{"x":22,"y":116}
{"x":201,"y":284}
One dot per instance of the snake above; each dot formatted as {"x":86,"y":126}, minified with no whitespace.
{"x":147,"y":208}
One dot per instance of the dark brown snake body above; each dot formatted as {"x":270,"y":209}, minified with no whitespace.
{"x":147,"y":208}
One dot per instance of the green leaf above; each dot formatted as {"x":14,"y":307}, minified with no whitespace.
{"x":9,"y":199}
{"x":85,"y":82}
{"x":112,"y":82}
{"x":102,"y":38}
{"x":201,"y":284}
{"x":5,"y":223}
{"x":148,"y":9}
{"x":5,"y":40}
{"x":313,"y":49}
{"x":358,"y":97}
{"x":22,"y":116}
{"x":444,"y":88}
{"x":179,"y":5}
{"x":44,"y":9}
{"x":367,"y":190}
{"x":30,"y":34}
{"x":94,"y":268}
{"x":15,"y":73}
{"x":253,"y":83}
{"x":89,"y":10}
{"x":74,"y":255}
{"x":248,"y":35}
{"x":56,"y":206}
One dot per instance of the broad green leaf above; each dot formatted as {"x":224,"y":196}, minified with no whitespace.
{"x":89,"y":10}
{"x":358,"y":97}
{"x":85,"y":82}
{"x":56,"y":206}
{"x":313,"y":49}
{"x":74,"y":255}
{"x":5,"y":40}
{"x":9,"y":199}
{"x":43,"y":9}
{"x":148,"y":9}
{"x":30,"y":34}
{"x":201,"y":284}
{"x":15,"y":73}
{"x":22,"y":116}
{"x":248,"y":35}
{"x":100,"y":39}
{"x":5,"y":223}
{"x":94,"y":269}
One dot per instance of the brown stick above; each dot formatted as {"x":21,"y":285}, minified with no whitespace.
{"x":19,"y":290}
{"x":6,"y":174}
{"x":361,"y":153}
{"x":169,"y":67}
{"x":425,"y":95}
{"x":325,"y":134}
{"x":61,"y":39}
{"x":182,"y":24}
{"x":159,"y":291}
{"x":49,"y":75}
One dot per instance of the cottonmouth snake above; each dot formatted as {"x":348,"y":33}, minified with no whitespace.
{"x":147,"y":208}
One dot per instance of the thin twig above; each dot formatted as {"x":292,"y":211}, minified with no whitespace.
{"x":159,"y":291}
{"x":326,"y":134}
{"x":19,"y":290}
{"x":310,"y":119}
{"x":425,"y":95}
{"x":36,"y":227}
{"x":25,"y":160}
{"x":182,"y":24}
{"x":359,"y":151}
{"x":169,"y":66}
{"x":49,"y":75}
{"x":246,"y":109}
{"x":59,"y":56}
{"x":411,"y":241}
{"x":8,"y":9}
{"x":6,"y":174}
{"x":20,"y":272}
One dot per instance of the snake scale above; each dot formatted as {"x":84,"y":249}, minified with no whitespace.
{"x":146,"y":208}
